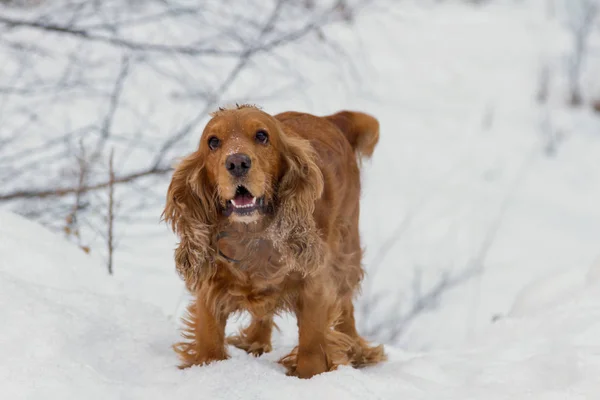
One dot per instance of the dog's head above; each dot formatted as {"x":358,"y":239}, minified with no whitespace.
{"x":246,"y":167}
{"x":243,"y":151}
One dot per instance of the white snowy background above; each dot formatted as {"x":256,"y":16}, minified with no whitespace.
{"x":480,"y":218}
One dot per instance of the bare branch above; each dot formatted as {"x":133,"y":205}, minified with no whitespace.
{"x":168,"y":49}
{"x":65,"y":191}
{"x":116,"y":41}
{"x":115,"y":98}
{"x":390,"y":330}
{"x":582,"y":17}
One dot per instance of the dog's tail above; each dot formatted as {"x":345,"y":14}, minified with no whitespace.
{"x":361,"y":130}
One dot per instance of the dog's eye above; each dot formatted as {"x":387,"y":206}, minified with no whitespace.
{"x":214,"y":142}
{"x":262,"y":137}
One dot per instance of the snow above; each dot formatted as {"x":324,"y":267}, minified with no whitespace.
{"x":70,"y":332}
{"x":461,"y":155}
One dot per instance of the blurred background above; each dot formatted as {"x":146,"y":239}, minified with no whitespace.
{"x":486,"y":179}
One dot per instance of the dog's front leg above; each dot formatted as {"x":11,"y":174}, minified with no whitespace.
{"x":204,"y":331}
{"x":313,"y":314}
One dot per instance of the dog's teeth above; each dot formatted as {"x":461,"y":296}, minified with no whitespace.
{"x":252,"y":204}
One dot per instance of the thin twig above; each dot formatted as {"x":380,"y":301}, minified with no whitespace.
{"x":111,"y":212}
{"x":72,"y":219}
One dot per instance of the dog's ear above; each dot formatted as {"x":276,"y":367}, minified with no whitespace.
{"x":191,"y":211}
{"x":299,"y":188}
{"x":302,"y":180}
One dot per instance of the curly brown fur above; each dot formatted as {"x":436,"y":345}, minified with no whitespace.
{"x":267,"y":212}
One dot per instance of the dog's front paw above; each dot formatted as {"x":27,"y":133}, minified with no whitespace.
{"x":255,"y":348}
{"x":305,"y":365}
{"x":309,"y":365}
{"x":191,"y":354}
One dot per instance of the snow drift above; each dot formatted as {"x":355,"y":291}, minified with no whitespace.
{"x":69,"y":331}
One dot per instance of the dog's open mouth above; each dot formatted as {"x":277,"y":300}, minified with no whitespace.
{"x":243,"y":202}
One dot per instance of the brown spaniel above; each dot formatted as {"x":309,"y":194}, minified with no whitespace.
{"x":267,"y":213}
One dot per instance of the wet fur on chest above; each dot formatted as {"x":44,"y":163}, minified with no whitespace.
{"x":249,"y":250}
{"x":251,"y":273}
{"x":261,"y":298}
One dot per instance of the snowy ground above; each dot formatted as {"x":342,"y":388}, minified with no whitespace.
{"x":460,"y":181}
{"x":69,"y":332}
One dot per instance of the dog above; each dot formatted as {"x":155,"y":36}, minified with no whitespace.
{"x":267,"y":211}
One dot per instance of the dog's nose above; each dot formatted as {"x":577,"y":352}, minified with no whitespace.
{"x":238,"y":164}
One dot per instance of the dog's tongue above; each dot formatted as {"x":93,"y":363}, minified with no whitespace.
{"x":243,"y":200}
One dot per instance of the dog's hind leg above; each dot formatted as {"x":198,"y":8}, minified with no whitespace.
{"x":361,"y":353}
{"x":255,"y":339}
